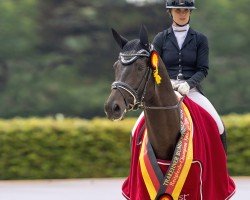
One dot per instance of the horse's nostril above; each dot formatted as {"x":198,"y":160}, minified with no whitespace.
{"x":116,"y":108}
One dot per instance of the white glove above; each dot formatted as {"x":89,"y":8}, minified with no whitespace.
{"x":183,"y":88}
{"x":175,"y":84}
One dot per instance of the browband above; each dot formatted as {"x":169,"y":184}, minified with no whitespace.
{"x":129,"y":58}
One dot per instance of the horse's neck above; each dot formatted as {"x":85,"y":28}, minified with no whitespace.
{"x":163,"y":125}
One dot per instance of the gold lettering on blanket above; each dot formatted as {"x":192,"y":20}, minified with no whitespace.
{"x":183,"y":197}
{"x":174,"y":163}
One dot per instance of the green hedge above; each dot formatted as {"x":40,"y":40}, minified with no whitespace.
{"x":238,"y":129}
{"x":75,"y":148}
{"x":69,"y":148}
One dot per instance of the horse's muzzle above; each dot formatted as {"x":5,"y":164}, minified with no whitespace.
{"x":115,"y":107}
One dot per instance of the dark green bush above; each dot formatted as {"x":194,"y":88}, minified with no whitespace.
{"x":74,"y":148}
{"x":67,"y":148}
{"x":238,"y":128}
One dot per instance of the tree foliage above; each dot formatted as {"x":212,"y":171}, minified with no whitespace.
{"x":56,"y":56}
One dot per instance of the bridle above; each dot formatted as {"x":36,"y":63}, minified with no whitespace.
{"x":127,"y":59}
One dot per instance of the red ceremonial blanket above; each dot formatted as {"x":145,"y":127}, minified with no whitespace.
{"x":207,"y":177}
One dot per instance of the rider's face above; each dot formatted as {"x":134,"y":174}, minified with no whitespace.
{"x":180,"y":15}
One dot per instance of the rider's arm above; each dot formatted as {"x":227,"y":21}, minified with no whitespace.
{"x":201,"y":62}
{"x":158,"y":42}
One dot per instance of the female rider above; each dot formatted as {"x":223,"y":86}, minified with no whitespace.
{"x":184,"y":51}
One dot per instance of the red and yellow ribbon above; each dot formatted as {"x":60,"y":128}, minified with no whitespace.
{"x":180,"y":165}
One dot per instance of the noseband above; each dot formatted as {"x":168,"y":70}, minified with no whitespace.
{"x":127,"y":59}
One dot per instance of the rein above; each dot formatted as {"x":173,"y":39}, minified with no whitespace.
{"x":127,"y":59}
{"x":165,"y":107}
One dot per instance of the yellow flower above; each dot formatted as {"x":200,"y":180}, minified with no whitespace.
{"x":155,"y":65}
{"x":157,"y":77}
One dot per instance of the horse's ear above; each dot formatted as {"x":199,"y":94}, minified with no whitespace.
{"x":121,"y":41}
{"x":144,"y":36}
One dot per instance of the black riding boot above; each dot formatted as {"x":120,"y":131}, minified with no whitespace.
{"x":223,"y":138}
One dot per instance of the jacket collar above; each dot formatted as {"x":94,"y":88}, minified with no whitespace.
{"x":189,"y":37}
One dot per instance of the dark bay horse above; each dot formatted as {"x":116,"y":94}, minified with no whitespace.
{"x":142,"y":81}
{"x":135,"y":86}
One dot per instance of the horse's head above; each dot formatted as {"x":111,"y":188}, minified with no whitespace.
{"x":133,"y":72}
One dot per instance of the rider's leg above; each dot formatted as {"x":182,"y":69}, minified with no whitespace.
{"x":202,"y":101}
{"x":223,"y":138}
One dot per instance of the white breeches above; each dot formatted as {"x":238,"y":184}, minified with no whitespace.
{"x":202,"y":101}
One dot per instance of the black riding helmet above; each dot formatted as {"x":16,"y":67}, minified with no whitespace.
{"x":189,"y":4}
{"x":186,"y":4}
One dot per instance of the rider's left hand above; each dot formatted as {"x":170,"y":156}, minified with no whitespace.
{"x":175,"y":84}
{"x":183,"y":88}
